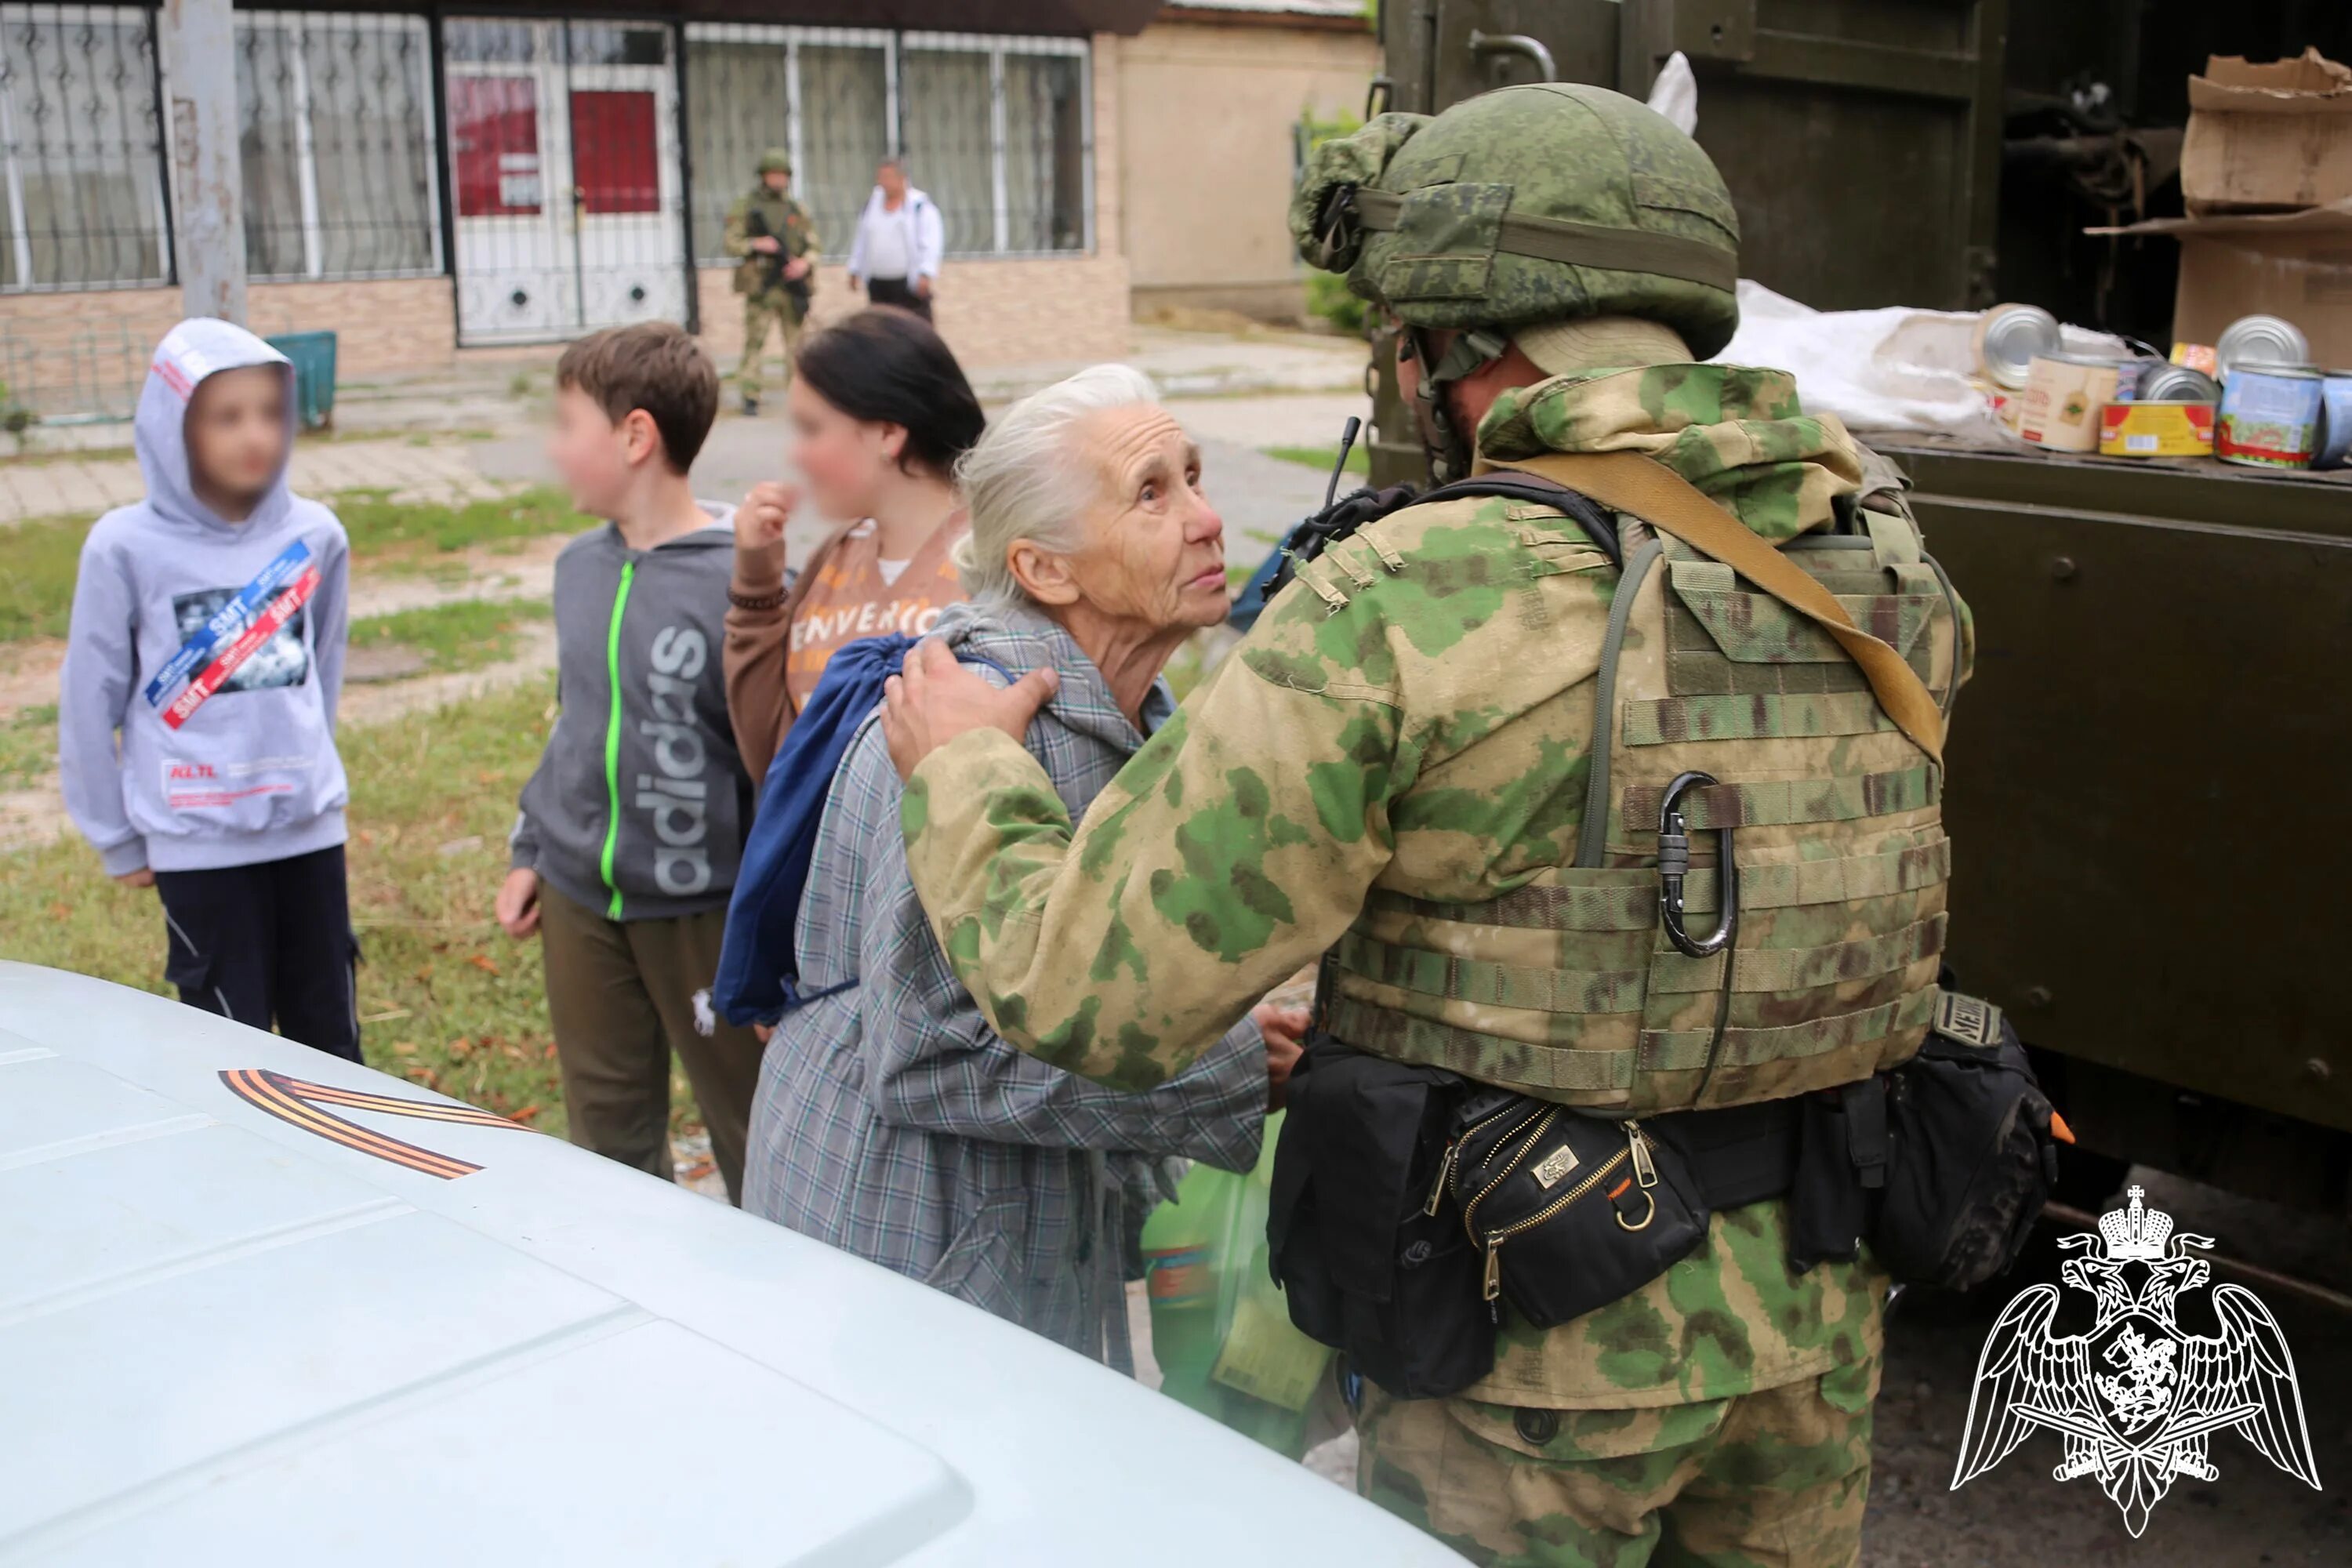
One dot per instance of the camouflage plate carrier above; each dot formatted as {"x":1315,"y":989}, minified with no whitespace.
{"x":1568,"y":989}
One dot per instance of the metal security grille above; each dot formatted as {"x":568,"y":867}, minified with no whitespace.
{"x":567,"y":187}
{"x":998,"y":131}
{"x":84,"y":148}
{"x":336,"y":128}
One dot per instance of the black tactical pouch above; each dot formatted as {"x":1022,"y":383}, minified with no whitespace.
{"x":1970,"y":1157}
{"x":1568,"y":1212}
{"x":1366,"y":1262}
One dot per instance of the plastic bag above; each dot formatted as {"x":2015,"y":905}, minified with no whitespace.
{"x":1220,"y":1330}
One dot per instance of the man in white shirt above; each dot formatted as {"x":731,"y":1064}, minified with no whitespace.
{"x":901,"y":239}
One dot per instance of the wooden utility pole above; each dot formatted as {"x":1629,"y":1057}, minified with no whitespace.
{"x":199,"y":50}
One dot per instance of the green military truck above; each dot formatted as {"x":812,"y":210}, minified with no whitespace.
{"x":2148,"y":771}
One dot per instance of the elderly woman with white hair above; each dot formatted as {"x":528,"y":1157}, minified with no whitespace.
{"x":891,"y":1122}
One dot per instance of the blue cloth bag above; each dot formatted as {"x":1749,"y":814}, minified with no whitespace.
{"x":758,"y":959}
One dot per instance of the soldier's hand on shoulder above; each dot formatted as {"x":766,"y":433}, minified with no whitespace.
{"x":933,"y":699}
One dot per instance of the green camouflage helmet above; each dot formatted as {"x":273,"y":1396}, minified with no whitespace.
{"x":1523,"y":205}
{"x":774,"y":161}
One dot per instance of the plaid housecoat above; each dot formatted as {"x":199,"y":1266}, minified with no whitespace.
{"x":893,"y":1123}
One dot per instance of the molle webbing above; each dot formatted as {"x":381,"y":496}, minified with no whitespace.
{"x":1627,"y":898}
{"x":1491,"y":1059}
{"x":1567,"y":986}
{"x":1597,"y":991}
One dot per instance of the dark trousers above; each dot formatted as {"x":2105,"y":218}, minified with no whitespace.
{"x":897,"y":292}
{"x":265,"y":944}
{"x":623,"y":996}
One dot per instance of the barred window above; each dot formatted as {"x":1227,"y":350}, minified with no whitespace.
{"x":84,"y":164}
{"x":995,"y":128}
{"x":335,"y":125}
{"x":1045,"y":142}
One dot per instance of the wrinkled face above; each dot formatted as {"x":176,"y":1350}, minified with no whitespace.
{"x":1154,"y":550}
{"x":595,"y":458}
{"x":892,"y":179}
{"x":844,"y":462}
{"x":777,"y":180}
{"x":236,"y":430}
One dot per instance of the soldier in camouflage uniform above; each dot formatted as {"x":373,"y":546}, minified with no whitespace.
{"x":777,"y":244}
{"x":1404,"y":763}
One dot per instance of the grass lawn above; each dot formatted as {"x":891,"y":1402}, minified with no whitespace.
{"x":407,"y":536}
{"x":1321,"y":458}
{"x":29,"y":745}
{"x":36,"y":590}
{"x":44,"y":553}
{"x":464,"y":634}
{"x":445,"y":999}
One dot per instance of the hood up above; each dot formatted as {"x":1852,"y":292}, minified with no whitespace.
{"x":197,"y":348}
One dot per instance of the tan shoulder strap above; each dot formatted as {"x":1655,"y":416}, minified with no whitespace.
{"x":1630,"y":482}
{"x":803,"y":582}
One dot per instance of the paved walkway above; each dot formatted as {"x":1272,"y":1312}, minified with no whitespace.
{"x":431,"y":470}
{"x":474,"y":431}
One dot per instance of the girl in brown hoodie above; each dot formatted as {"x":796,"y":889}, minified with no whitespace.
{"x":880,"y":411}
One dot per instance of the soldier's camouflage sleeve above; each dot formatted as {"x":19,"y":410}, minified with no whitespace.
{"x":737,"y":241}
{"x":809,"y":244}
{"x":1232,"y":848}
{"x":1383,"y":723}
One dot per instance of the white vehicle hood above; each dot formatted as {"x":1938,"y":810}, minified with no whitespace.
{"x":239,"y":1325}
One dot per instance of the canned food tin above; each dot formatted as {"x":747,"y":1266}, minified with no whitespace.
{"x":2146,"y":429}
{"x":2011,"y":337}
{"x":2062,"y":396}
{"x":2270,"y":415}
{"x":2178,"y":383}
{"x":2196,"y":356}
{"x":2335,"y":421}
{"x":2130,"y":371}
{"x":2258,"y":340}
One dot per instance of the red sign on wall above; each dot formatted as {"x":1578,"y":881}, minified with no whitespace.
{"x":615,"y":154}
{"x":494,"y":133}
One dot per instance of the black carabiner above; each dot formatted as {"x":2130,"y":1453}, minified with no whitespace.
{"x":1673,"y":865}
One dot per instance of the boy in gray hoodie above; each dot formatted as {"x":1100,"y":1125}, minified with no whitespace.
{"x":208,"y":629}
{"x":626,"y":849}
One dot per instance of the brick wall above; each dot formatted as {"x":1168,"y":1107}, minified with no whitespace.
{"x":394,"y":325}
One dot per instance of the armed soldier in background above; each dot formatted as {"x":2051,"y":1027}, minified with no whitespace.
{"x":777,"y":276}
{"x":1486,"y":757}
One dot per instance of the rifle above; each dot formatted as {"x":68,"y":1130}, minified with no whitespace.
{"x":755,"y":226}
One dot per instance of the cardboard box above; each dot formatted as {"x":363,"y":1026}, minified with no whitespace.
{"x":2267,"y":137}
{"x":2295,"y":265}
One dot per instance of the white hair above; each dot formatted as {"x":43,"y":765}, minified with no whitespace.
{"x":1025,"y":479}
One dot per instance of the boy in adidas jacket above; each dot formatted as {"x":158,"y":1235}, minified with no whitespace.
{"x":207,"y":633}
{"x":626,"y":849}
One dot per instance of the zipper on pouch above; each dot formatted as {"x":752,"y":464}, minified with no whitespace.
{"x":1645,"y":1174}
{"x":1452,"y":1150}
{"x":1470,"y":1210}
{"x":1495,"y":1238}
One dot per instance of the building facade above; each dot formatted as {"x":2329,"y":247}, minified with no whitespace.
{"x":1214,"y":94}
{"x":429,"y":182}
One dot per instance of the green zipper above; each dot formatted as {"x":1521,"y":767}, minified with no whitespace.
{"x":613,"y":737}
